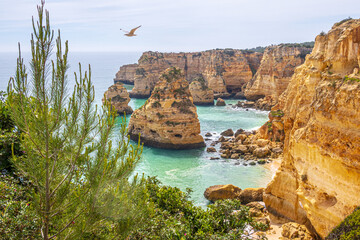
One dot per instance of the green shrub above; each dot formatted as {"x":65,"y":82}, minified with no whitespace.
{"x":18,"y":219}
{"x":348,"y":229}
{"x":349,"y":79}
{"x":176,"y":217}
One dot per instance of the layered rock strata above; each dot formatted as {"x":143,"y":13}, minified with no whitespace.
{"x":202,"y":95}
{"x":119,"y":98}
{"x":224,"y":71}
{"x":126,"y":74}
{"x":318,"y":183}
{"x":168,"y":119}
{"x":275,"y":71}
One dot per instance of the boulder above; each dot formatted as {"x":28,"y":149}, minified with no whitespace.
{"x":293,"y":230}
{"x":227,"y":133}
{"x":220,"y":102}
{"x":211,"y":149}
{"x":239,"y":131}
{"x":220,"y":192}
{"x":251,"y":195}
{"x":262,"y":152}
{"x":119,"y":98}
{"x":262,"y":142}
{"x":241,"y":149}
{"x":208,"y":134}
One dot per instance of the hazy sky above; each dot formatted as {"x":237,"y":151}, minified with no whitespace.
{"x":169,"y":25}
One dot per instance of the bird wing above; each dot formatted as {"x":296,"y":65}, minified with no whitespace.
{"x":132,"y":31}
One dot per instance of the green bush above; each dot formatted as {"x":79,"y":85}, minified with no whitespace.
{"x":18,"y":219}
{"x":176,"y":217}
{"x":348,"y":229}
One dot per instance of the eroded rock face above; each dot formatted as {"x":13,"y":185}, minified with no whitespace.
{"x":225,"y":71}
{"x":202,"y":95}
{"x":126,"y":74}
{"x":168,"y":119}
{"x":221,"y":192}
{"x":119,"y":98}
{"x":275,"y":71}
{"x":318,"y":183}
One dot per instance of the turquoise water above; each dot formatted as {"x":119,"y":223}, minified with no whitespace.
{"x":179,"y":168}
{"x":193,"y":168}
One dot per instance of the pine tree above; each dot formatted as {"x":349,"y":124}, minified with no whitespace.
{"x":81,"y":181}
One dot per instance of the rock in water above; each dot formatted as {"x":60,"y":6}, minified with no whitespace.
{"x":220,"y":102}
{"x":202,"y":95}
{"x":221,"y":192}
{"x":126,"y":74}
{"x":168,"y":119}
{"x":119,"y":98}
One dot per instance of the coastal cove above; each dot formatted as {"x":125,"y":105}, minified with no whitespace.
{"x":179,"y":168}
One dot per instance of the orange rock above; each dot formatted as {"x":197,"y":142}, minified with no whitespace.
{"x":221,"y":192}
{"x":168,"y":119}
{"x":318,"y":183}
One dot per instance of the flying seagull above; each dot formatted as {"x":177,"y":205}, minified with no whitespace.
{"x":131,"y":33}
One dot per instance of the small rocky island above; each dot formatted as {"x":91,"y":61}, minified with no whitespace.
{"x":168,"y":119}
{"x":202,"y":95}
{"x":119,"y":98}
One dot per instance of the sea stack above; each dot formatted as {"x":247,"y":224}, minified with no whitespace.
{"x":119,"y":98}
{"x":168,"y":119}
{"x":318,"y":183}
{"x":202,"y":95}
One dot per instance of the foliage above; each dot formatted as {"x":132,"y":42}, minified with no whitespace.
{"x":277,"y":113}
{"x":350,"y":79}
{"x":177,"y":218}
{"x":9,"y":137}
{"x":80,"y":180}
{"x":156,"y":104}
{"x":171,"y":74}
{"x":348,"y":229}
{"x":18,"y":219}
{"x":343,"y":21}
{"x":140,"y":71}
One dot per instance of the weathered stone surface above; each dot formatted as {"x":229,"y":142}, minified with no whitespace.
{"x":211,"y":149}
{"x":227,"y":133}
{"x":126,"y":74}
{"x":293,"y":230}
{"x":168,"y":119}
{"x":275,"y":71}
{"x":248,"y":195}
{"x":318,"y":183}
{"x":202,"y":95}
{"x":225,"y":71}
{"x":119,"y":98}
{"x":220,"y":192}
{"x":220,"y":102}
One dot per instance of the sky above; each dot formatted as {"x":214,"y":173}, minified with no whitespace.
{"x":174,"y":26}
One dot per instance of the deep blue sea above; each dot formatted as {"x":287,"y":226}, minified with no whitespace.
{"x":180,"y":168}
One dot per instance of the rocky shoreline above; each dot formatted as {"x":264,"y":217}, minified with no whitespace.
{"x":244,"y":145}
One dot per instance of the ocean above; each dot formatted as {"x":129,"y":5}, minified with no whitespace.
{"x":179,"y":168}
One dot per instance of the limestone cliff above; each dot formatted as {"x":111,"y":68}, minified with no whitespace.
{"x":275,"y":71}
{"x":225,"y":71}
{"x":168,"y":119}
{"x":126,"y":74}
{"x":119,"y":98}
{"x":202,"y":95}
{"x":318,"y":183}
